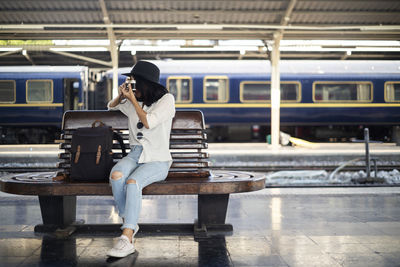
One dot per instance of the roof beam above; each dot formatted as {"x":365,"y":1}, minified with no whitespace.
{"x":314,"y":27}
{"x":286,"y":17}
{"x":26,"y":55}
{"x":97,"y":61}
{"x":10,"y":52}
{"x":216,"y":35}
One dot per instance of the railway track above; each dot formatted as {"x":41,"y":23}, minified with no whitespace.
{"x":305,"y":167}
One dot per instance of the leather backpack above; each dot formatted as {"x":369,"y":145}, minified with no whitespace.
{"x":91,"y":152}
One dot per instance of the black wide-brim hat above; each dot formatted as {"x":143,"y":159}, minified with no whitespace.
{"x":147,"y":71}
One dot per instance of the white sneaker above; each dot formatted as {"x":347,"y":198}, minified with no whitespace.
{"x":122,"y":249}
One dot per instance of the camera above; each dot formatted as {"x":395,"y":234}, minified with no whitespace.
{"x":132,"y":82}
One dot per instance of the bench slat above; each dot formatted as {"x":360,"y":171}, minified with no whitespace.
{"x":188,"y":146}
{"x":183,"y":155}
{"x":75,"y":119}
{"x":204,"y":164}
{"x":181,"y":136}
{"x":172,"y":146}
{"x":175,"y":155}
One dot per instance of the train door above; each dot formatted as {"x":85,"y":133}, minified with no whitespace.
{"x":71,"y":94}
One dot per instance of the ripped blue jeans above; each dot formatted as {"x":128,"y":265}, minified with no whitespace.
{"x":128,"y":196}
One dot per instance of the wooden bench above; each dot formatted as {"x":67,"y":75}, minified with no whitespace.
{"x":188,"y":175}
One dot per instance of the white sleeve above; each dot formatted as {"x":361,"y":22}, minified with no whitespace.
{"x":124,"y":107}
{"x":164,"y":110}
{"x":112,"y":108}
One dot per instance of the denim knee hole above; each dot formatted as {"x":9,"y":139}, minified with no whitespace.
{"x":116,"y":175}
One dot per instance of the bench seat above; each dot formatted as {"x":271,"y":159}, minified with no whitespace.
{"x":219,"y":182}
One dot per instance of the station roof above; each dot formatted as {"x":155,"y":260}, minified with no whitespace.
{"x":196,"y":19}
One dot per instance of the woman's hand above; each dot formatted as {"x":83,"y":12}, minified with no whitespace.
{"x":127,"y":92}
{"x":130,"y":95}
{"x":118,"y":99}
{"x":120,"y":92}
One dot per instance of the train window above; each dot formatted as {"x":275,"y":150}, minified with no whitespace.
{"x":7,"y":91}
{"x":257,"y":91}
{"x":342,"y":91}
{"x":216,"y":89}
{"x":39,"y":91}
{"x":392,"y":91}
{"x":180,"y":88}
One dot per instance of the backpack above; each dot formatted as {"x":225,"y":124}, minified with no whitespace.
{"x":91,"y":152}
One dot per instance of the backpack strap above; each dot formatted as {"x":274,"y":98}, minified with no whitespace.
{"x":120,"y":140}
{"x":98,"y":155}
{"x":77,"y":155}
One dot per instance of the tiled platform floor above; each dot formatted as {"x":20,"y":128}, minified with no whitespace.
{"x":272,"y":227}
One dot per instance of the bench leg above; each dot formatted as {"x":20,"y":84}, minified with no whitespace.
{"x":57,"y":212}
{"x":211,"y":214}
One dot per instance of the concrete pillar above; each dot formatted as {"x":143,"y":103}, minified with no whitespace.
{"x":115,"y":80}
{"x":275,"y":92}
{"x":114,"y":60}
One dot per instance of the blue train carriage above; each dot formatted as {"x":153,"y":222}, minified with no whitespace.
{"x":320,"y":100}
{"x":34,"y":98}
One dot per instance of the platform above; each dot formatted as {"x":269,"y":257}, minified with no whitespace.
{"x":223,"y":154}
{"x":254,"y":157}
{"x":272,"y":227}
{"x":232,"y":154}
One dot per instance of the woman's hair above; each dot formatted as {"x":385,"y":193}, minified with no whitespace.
{"x":149,"y":92}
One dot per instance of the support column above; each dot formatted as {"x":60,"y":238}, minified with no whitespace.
{"x":275,"y":78}
{"x":212,"y":209}
{"x":114,"y":57}
{"x":57,"y":212}
{"x":113,"y":48}
{"x":275,"y":92}
{"x":211,"y":212}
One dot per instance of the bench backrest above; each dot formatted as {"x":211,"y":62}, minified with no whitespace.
{"x":187,"y":140}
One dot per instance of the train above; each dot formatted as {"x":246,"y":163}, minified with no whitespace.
{"x":323,"y":100}
{"x":33,"y":100}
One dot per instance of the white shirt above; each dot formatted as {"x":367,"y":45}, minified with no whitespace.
{"x":155,"y":140}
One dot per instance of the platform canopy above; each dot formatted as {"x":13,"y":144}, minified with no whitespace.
{"x":196,"y":19}
{"x":122,"y":20}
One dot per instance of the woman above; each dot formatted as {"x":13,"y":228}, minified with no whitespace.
{"x":150,"y":110}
